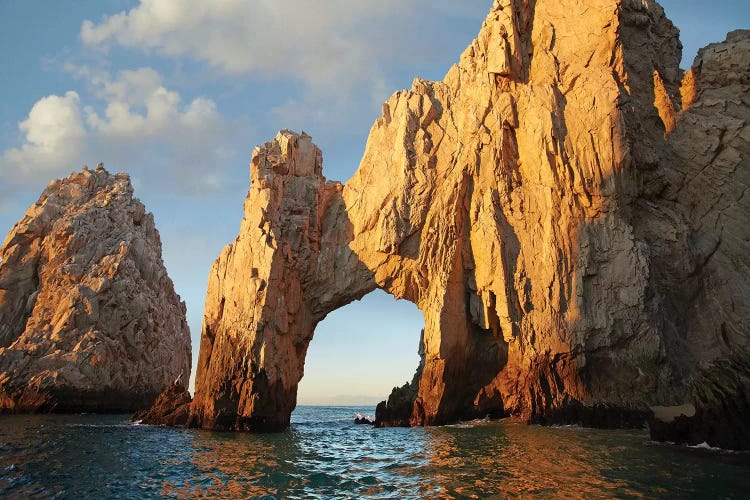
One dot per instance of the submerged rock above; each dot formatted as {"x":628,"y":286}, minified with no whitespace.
{"x":363,"y":420}
{"x":89,"y":319}
{"x":567,"y":209}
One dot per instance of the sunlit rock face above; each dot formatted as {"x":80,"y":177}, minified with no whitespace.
{"x":569,"y":216}
{"x":89,"y":319}
{"x":289,"y":267}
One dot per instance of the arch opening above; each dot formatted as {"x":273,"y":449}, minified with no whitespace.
{"x":361,"y":351}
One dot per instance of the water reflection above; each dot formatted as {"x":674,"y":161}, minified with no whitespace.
{"x":325,"y":455}
{"x":225,"y":464}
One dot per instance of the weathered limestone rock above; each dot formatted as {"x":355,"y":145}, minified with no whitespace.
{"x":89,"y":319}
{"x":575,"y":235}
{"x":397,"y":409}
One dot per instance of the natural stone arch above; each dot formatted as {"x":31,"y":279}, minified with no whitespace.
{"x":534,"y":209}
{"x":464,"y":187}
{"x":403,"y":223}
{"x":298,"y":257}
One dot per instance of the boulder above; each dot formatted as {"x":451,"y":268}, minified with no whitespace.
{"x":171,"y":408}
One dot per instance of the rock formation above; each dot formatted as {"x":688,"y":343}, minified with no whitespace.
{"x":170,"y":408}
{"x":89,"y":319}
{"x":397,"y":409}
{"x":288,"y":268}
{"x":567,"y":209}
{"x":706,"y":260}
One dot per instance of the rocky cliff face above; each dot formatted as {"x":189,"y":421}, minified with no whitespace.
{"x":89,"y":319}
{"x":704,"y":268}
{"x":566,"y":208}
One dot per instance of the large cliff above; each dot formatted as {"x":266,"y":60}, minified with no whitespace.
{"x":89,"y":319}
{"x":567,"y":208}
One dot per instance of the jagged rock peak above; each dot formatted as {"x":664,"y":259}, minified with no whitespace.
{"x":289,"y":153}
{"x":89,"y":319}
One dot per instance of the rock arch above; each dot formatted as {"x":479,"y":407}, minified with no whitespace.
{"x":298,"y":257}
{"x":541,"y":206}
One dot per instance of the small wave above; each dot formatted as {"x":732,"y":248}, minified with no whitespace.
{"x":701,"y":447}
{"x":100,"y":426}
{"x":705,"y":446}
{"x":468,"y":424}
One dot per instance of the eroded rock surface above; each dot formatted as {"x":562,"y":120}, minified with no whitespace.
{"x":89,"y":319}
{"x":566,"y":208}
{"x":707,"y":327}
{"x":171,"y":408}
{"x":288,"y":268}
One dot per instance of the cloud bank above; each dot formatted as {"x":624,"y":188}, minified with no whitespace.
{"x":335,"y":59}
{"x":321,"y":43}
{"x":134,"y":118}
{"x":341,"y":51}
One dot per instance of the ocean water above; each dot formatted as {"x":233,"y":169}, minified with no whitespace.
{"x":324,"y":455}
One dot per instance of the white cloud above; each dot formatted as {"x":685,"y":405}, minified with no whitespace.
{"x":336,"y":43}
{"x":139,"y":106}
{"x":348,"y":55}
{"x":133,"y":122}
{"x":53,"y":135}
{"x":311,"y":40}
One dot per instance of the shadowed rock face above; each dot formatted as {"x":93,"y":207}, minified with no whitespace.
{"x":569,"y":216}
{"x":89,"y":320}
{"x":706,"y":325}
{"x":171,"y":408}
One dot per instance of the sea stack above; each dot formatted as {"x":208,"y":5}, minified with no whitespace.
{"x":568,"y":209}
{"x":89,"y":319}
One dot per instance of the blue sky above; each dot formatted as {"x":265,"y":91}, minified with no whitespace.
{"x":178,"y":92}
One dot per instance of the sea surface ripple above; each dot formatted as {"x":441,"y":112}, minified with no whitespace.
{"x":325,"y":455}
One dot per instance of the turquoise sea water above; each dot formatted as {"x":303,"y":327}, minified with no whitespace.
{"x":324,"y":455}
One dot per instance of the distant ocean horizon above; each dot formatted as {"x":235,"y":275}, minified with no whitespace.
{"x":325,"y":455}
{"x":354,"y":402}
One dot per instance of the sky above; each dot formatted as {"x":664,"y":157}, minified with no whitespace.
{"x":178,"y":92}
